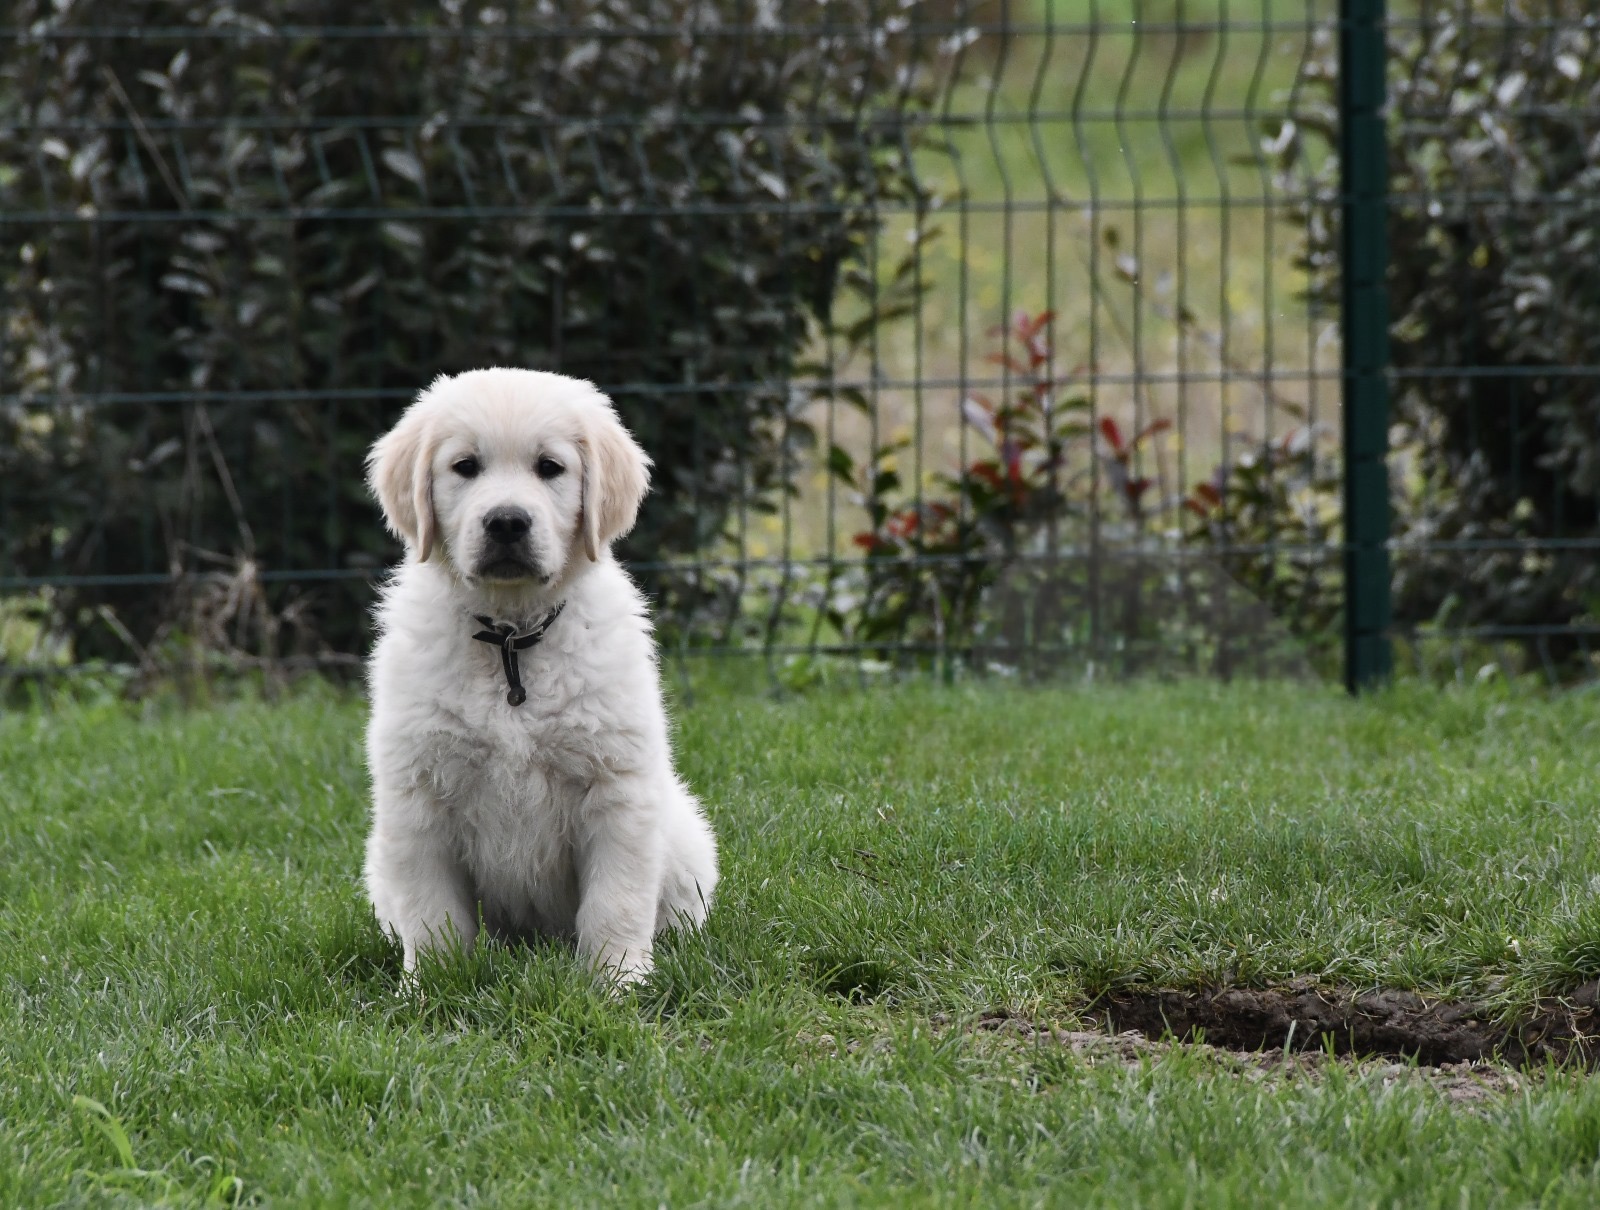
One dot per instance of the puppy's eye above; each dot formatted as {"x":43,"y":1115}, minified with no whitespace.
{"x":467,"y":468}
{"x":548,"y":468}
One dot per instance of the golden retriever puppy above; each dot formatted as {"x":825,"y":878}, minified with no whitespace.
{"x":518,"y":745}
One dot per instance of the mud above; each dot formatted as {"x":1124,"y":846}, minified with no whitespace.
{"x":1468,"y":1083}
{"x":1387,"y":1024}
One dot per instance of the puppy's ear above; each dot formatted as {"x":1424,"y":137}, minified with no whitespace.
{"x":400,"y":474}
{"x":616,"y":475}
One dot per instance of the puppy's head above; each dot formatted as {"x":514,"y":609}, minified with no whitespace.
{"x":513,"y":477}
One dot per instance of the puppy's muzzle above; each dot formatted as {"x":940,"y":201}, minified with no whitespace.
{"x":506,"y":553}
{"x":507,"y":526}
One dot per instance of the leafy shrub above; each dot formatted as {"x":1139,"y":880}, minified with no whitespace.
{"x":930,"y":559}
{"x":235,"y":255}
{"x":1056,"y":543}
{"x":1271,"y":518}
{"x":1494,"y":245}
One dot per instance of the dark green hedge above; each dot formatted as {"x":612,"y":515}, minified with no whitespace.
{"x":1494,"y":234}
{"x":231,"y":256}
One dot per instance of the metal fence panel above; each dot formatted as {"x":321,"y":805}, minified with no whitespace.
{"x":1000,"y":335}
{"x":1494,"y":146}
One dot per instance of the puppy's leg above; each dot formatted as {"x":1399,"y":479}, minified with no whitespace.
{"x":619,"y":863}
{"x":419,"y":891}
{"x":690,"y":873}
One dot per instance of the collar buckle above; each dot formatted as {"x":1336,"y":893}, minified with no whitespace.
{"x":504,"y":636}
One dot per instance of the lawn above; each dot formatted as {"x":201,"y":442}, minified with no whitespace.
{"x":197,"y":1003}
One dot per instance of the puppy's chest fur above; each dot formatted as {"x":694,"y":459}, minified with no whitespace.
{"x":509,"y":787}
{"x":511,"y":783}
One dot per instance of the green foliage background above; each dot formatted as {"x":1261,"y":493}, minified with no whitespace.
{"x":235,"y":250}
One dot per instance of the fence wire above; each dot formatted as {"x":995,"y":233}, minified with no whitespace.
{"x":963,"y":334}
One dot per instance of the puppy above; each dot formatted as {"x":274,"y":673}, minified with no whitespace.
{"x":518,"y":745}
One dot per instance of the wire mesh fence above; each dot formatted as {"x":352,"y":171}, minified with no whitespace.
{"x":965,"y":334}
{"x":1493,"y":156}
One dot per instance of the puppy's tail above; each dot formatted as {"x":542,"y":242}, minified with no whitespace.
{"x":691,"y":867}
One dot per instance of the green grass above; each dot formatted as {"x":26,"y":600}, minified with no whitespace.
{"x":195,"y":994}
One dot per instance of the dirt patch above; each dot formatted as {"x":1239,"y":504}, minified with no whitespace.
{"x":1466,"y":1083}
{"x":1389,"y":1024}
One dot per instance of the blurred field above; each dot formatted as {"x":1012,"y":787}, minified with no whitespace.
{"x":1103,"y":162}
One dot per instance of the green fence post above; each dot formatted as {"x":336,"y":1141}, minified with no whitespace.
{"x":1364,"y":319}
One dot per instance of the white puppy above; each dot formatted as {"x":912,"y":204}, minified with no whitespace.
{"x":554,"y":807}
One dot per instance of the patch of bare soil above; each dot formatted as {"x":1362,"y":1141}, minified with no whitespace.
{"x":1391,"y":1024}
{"x":1465,"y":1083}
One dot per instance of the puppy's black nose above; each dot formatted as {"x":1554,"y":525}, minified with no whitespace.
{"x":507,"y":525}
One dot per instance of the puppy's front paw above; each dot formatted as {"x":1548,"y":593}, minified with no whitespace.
{"x":620,"y":968}
{"x":410,"y":990}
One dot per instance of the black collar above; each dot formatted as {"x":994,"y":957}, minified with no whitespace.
{"x":504,"y":636}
